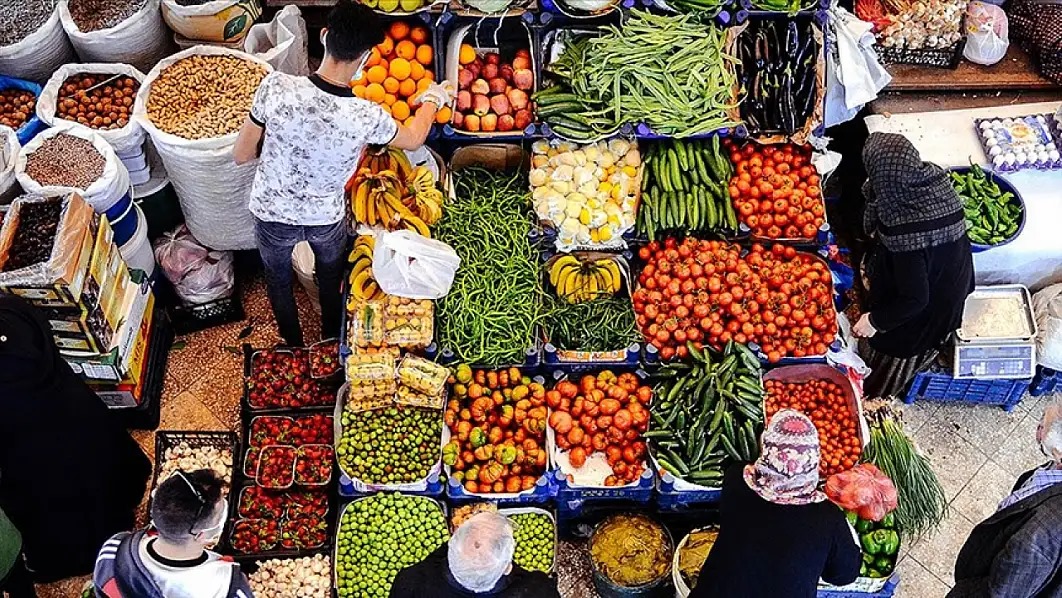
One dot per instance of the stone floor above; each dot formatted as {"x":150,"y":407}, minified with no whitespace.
{"x":977,"y":451}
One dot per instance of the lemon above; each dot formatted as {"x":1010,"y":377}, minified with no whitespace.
{"x":410,"y":5}
{"x":388,"y":5}
{"x":584,"y":216}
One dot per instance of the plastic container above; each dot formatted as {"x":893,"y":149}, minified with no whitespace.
{"x":167,"y":439}
{"x":681,"y":589}
{"x":302,"y":458}
{"x":945,"y":58}
{"x":1004,"y":187}
{"x":140,"y":176}
{"x":940,"y":386}
{"x":887,"y":590}
{"x":137,"y":251}
{"x":536,"y":511}
{"x":125,"y":225}
{"x":119,"y":208}
{"x":1044,"y":382}
{"x":283,"y":481}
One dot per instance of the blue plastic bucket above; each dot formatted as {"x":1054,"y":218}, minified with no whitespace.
{"x":124,"y":226}
{"x":119,"y":208}
{"x":1004,"y":186}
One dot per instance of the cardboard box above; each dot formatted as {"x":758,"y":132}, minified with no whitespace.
{"x":129,"y":391}
{"x":71,"y":330}
{"x":112,"y":365}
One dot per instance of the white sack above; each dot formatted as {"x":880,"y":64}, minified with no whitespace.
{"x":1047,"y":308}
{"x":281,"y":43}
{"x":38,"y":55}
{"x":8,"y":156}
{"x":124,"y":140}
{"x":102,"y":193}
{"x":141,"y":40}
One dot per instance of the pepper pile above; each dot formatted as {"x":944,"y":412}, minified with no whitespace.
{"x":880,"y":543}
{"x":992,"y":216}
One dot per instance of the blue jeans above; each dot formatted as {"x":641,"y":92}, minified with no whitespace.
{"x":276,"y":241}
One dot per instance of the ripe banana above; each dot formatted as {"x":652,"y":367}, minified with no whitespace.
{"x":577,"y":281}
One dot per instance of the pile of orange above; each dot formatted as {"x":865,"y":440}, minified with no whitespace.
{"x":398,"y":70}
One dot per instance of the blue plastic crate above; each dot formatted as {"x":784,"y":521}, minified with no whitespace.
{"x":941,"y":386}
{"x":435,"y":488}
{"x":571,"y":497}
{"x":670,"y":499}
{"x":885,"y":592}
{"x":544,"y":491}
{"x":1044,"y":382}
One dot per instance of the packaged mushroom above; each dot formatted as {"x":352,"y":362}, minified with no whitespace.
{"x":185,"y":456}
{"x":306,"y":577}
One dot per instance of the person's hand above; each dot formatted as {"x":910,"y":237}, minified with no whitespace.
{"x":863,"y":328}
{"x":440,"y":94}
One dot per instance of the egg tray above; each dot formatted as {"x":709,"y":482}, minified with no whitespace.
{"x":1048,"y":136}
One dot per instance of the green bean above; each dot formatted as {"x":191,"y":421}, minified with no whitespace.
{"x":598,"y":325}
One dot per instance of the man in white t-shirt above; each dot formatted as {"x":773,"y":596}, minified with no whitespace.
{"x":310,"y":133}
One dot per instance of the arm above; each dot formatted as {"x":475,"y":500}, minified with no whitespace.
{"x":1022,"y":569}
{"x":912,"y":292}
{"x":842,"y":564}
{"x":413,"y":136}
{"x":248,"y":142}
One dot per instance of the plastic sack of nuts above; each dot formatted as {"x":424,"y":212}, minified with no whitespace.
{"x":62,"y":90}
{"x":225,"y":21}
{"x":192,"y":104}
{"x":67,"y":164}
{"x":116,"y":31}
{"x":37,"y":54}
{"x":8,"y":153}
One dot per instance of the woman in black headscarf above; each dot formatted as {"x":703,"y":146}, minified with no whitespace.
{"x":70,"y":477}
{"x":921,"y":269}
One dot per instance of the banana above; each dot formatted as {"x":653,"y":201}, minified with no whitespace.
{"x":359,"y":281}
{"x":416,"y":224}
{"x":558,"y":266}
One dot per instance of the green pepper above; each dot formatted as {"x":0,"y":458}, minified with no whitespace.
{"x":851,"y":517}
{"x":883,"y":563}
{"x":874,"y":573}
{"x":868,"y":559}
{"x":864,"y":526}
{"x":890,"y":542}
{"x":863,"y":570}
{"x":889,"y":521}
{"x":870,"y":544}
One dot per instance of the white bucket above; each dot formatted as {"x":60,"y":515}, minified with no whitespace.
{"x":137,"y":251}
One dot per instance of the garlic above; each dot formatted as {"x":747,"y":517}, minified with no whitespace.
{"x":306,"y":577}
{"x":188,"y":458}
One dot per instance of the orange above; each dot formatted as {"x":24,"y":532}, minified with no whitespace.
{"x":374,"y":58}
{"x":376,"y":74}
{"x":391,"y":85}
{"x":359,"y":91}
{"x":389,"y":99}
{"x":406,"y":49}
{"x":423,"y":84}
{"x":375,"y":93}
{"x":386,"y":47}
{"x":386,"y":108}
{"x":467,"y":54}
{"x":384,"y":63}
{"x":399,"y":30}
{"x":430,"y":76}
{"x":444,"y":115}
{"x":400,"y":69}
{"x":400,"y":110}
{"x":418,"y":35}
{"x":416,"y":71}
{"x":360,"y":80}
{"x":424,"y":55}
{"x":407,"y":88}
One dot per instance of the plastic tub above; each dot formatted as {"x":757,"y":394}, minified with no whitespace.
{"x":609,"y":589}
{"x":125,"y":225}
{"x":140,"y":176}
{"x":137,"y":251}
{"x":134,"y":161}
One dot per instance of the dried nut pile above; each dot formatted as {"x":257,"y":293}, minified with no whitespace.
{"x":108,"y":106}
{"x":65,"y":161}
{"x":307,"y":577}
{"x":19,"y":18}
{"x":35,"y":235}
{"x":200,"y":97}
{"x":16,"y":107}
{"x":186,"y":457}
{"x":93,"y":15}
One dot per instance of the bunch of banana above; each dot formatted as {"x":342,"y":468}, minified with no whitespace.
{"x":424,"y":199}
{"x":363,"y":286}
{"x":578,"y":281}
{"x":377,"y":192}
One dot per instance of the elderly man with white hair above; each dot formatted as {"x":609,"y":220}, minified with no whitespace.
{"x":478,"y":561}
{"x":1017,"y":552}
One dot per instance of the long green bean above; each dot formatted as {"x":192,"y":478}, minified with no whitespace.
{"x":597,"y":325}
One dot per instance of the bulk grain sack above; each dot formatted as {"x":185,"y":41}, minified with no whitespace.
{"x":213,"y":21}
{"x":281,"y":43}
{"x":125,"y":138}
{"x":65,"y":163}
{"x":125,"y":31}
{"x":32,"y":41}
{"x":192,"y":104}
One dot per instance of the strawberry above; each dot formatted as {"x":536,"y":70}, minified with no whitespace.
{"x":259,"y":502}
{"x":304,"y":533}
{"x":252,"y":536}
{"x":313,"y":464}
{"x":276,"y":467}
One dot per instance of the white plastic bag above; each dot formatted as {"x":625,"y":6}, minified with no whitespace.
{"x":140,"y":40}
{"x":281,"y":43}
{"x":8,"y":155}
{"x":1047,"y":308}
{"x":198,"y":275}
{"x":103,"y":193}
{"x":409,"y":265}
{"x":987,"y":36}
{"x":212,"y":188}
{"x":124,"y":140}
{"x":304,"y":263}
{"x":854,"y":75}
{"x":38,"y":55}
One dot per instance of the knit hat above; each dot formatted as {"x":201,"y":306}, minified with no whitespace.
{"x":787,"y":472}
{"x":911,"y":204}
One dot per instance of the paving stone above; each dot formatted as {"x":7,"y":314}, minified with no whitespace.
{"x":954,"y":459}
{"x":937,"y":551}
{"x":918,"y":582}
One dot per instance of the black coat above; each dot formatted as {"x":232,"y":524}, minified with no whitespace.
{"x":431,"y":578}
{"x":1017,"y":552}
{"x":70,"y":477}
{"x":767,"y":550}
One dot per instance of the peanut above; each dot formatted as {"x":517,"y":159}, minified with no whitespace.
{"x":200,"y":97}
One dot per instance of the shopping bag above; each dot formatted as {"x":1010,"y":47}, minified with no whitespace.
{"x":409,"y":265}
{"x":987,"y":37}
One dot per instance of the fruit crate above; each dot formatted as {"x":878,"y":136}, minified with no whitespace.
{"x":887,"y":591}
{"x":166,"y":439}
{"x":1044,"y":382}
{"x":193,"y":318}
{"x":669,"y":498}
{"x":545,"y":491}
{"x":147,"y":414}
{"x":240,"y":461}
{"x":330,"y":519}
{"x":327,"y":385}
{"x":507,"y":512}
{"x":817,"y":9}
{"x":939,"y":385}
{"x":571,"y":497}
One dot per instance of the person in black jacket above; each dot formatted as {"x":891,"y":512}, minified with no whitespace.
{"x":476,"y":562}
{"x":778,"y":535}
{"x":1017,"y":552}
{"x":921,"y":270}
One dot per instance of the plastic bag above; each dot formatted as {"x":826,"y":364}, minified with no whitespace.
{"x":863,"y":489}
{"x":854,"y":74}
{"x":409,"y":265}
{"x":302,"y":260}
{"x":37,"y":55}
{"x":213,"y":21}
{"x":199,"y":275}
{"x":1047,"y":308}
{"x":140,"y":40}
{"x":281,"y":43}
{"x":124,"y":140}
{"x":8,"y":153}
{"x":987,"y":35}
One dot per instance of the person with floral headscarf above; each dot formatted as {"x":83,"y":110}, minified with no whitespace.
{"x":778,"y":535}
{"x":920,"y":271}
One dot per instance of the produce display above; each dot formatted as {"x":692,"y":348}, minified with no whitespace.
{"x":19,"y":19}
{"x":696,"y":7}
{"x":460,"y":514}
{"x":393,"y":6}
{"x":684,"y":189}
{"x":708,"y":293}
{"x":281,"y":378}
{"x":363,"y":286}
{"x":65,"y":161}
{"x":535,"y":535}
{"x":579,"y":280}
{"x":34,"y":237}
{"x":776,"y":190}
{"x":256,"y":502}
{"x":829,"y":408}
{"x":668,"y":72}
{"x":97,"y":101}
{"x":598,"y":325}
{"x":421,"y":383}
{"x":600,"y":421}
{"x":284,"y":520}
{"x":922,"y":24}
{"x":789,"y":6}
{"x":254,"y":536}
{"x":388,"y":190}
{"x":390,"y":321}
{"x":93,"y":15}
{"x":276,"y":467}
{"x":313,"y":464}
{"x":879,"y":543}
{"x":393,"y":445}
{"x":370,"y":381}
{"x":490,"y":316}
{"x":587,"y":193}
{"x":16,"y":105}
{"x":306,"y":577}
{"x":268,"y":430}
{"x":992,"y":215}
{"x":187,"y":456}
{"x":399,"y":69}
{"x":204,"y":96}
{"x":1016,"y":143}
{"x":709,"y":415}
{"x":492,"y":95}
{"x":692,"y":553}
{"x":324,"y":359}
{"x":497,"y":422}
{"x":631,"y":550}
{"x":777,"y":70}
{"x":381,"y":535}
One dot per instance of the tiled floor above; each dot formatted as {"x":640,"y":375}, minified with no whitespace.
{"x":977,"y":451}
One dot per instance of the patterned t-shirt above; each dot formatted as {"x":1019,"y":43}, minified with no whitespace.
{"x":315,"y":133}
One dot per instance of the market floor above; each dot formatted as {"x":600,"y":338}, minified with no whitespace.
{"x":977,"y":451}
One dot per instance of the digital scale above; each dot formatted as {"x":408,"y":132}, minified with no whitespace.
{"x":1003,"y":355}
